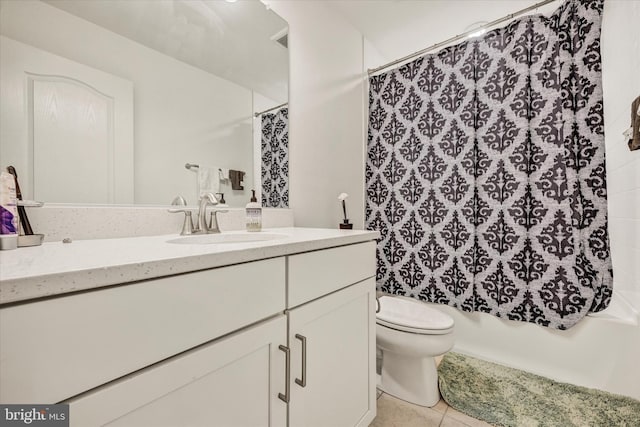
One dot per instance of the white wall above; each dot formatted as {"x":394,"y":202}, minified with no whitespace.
{"x":178,"y":114}
{"x":621,"y":81}
{"x":597,"y":353}
{"x":326,"y":113}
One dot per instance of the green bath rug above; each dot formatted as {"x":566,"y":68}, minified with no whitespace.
{"x":510,"y":397}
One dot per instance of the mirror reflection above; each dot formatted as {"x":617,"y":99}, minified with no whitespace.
{"x":107,"y":101}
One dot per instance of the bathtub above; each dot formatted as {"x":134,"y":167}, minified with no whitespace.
{"x":624,"y":308}
{"x":602,"y":351}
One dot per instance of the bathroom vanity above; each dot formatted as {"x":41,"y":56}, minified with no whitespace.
{"x":141,"y":331}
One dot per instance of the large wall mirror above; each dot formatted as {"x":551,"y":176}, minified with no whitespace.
{"x":107,"y":101}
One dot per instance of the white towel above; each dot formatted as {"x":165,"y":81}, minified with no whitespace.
{"x":224,"y":175}
{"x":208,"y":180}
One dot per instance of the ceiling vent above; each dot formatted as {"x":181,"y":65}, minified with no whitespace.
{"x":282,"y":38}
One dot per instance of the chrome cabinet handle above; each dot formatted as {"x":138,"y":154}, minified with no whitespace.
{"x":287,"y":374}
{"x":303,"y":382}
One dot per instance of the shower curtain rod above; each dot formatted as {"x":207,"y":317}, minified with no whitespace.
{"x":270,"y":109}
{"x":459,"y":37}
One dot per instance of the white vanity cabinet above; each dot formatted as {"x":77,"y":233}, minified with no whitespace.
{"x":332,"y":337}
{"x":284,"y":341}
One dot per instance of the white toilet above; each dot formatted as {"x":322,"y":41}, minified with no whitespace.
{"x":411,"y":334}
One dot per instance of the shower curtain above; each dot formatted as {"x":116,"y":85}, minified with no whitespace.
{"x":275,"y":159}
{"x":485,"y":172}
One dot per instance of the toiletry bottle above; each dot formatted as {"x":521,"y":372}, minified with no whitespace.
{"x":254,"y":214}
{"x":8,"y":212}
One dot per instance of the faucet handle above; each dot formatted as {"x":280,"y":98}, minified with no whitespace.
{"x":187,"y":225}
{"x":179,"y":201}
{"x":213,"y":220}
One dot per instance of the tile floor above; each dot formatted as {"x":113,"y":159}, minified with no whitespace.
{"x":394,"y":412}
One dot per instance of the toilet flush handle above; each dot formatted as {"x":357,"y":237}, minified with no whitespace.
{"x":377,"y":305}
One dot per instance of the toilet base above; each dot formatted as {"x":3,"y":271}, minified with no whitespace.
{"x":411,"y":379}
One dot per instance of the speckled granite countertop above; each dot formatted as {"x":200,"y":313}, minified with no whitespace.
{"x":57,"y":268}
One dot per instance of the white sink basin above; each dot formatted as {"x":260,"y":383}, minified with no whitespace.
{"x":223,"y":238}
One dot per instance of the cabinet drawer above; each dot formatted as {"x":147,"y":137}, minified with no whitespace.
{"x":314,"y":274}
{"x":54,"y":349}
{"x":234,"y":381}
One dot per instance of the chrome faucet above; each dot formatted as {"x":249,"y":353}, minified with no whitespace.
{"x":202,"y":227}
{"x":207,"y":199}
{"x":212,"y":226}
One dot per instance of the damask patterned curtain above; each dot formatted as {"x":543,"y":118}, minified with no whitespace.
{"x":485,"y":172}
{"x":275,"y":159}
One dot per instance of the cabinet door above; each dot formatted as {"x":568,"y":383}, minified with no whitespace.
{"x":234,"y":381}
{"x":338,"y":331}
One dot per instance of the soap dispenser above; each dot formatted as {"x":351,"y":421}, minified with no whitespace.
{"x":254,"y":214}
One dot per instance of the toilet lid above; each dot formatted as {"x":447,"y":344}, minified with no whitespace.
{"x":412,"y":316}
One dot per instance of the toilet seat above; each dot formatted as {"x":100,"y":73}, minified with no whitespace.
{"x":412,"y":316}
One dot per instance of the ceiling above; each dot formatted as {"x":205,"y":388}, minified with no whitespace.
{"x":216,"y":36}
{"x":200,"y":32}
{"x":395,"y":28}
